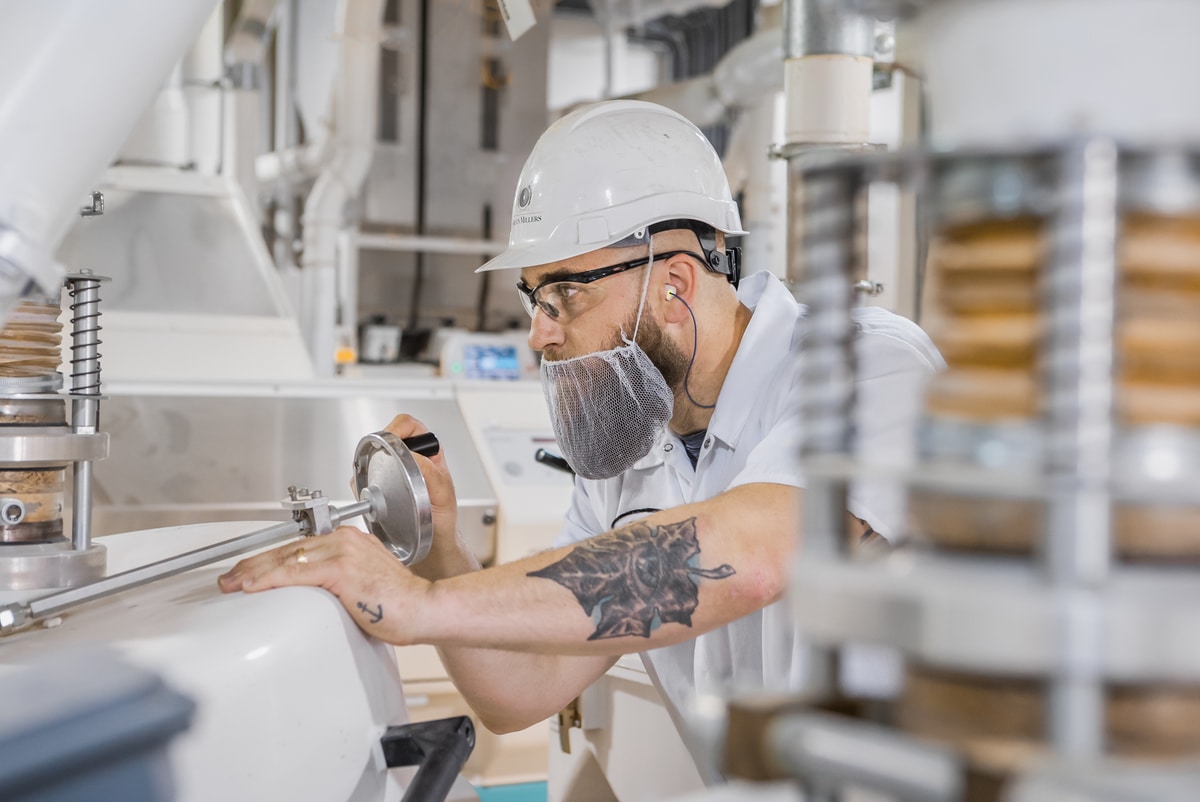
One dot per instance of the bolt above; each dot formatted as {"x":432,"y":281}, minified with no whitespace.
{"x":316,"y":494}
{"x":292,"y":492}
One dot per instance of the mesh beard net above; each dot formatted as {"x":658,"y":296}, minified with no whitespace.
{"x":608,"y":408}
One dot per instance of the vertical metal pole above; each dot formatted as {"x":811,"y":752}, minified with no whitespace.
{"x":828,"y":352}
{"x":828,"y":376}
{"x":1080,"y":308}
{"x":85,"y":391}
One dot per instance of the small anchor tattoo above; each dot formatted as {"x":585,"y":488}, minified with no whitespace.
{"x":376,"y":614}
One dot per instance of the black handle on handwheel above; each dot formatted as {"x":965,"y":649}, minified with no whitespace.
{"x":439,"y":747}
{"x":426,"y":445}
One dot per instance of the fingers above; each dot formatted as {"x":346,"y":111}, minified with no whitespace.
{"x":309,"y":561}
{"x":433,"y":469}
{"x":406,"y":426}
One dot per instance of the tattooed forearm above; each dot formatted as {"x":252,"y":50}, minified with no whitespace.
{"x":376,"y":615}
{"x":636,"y":578}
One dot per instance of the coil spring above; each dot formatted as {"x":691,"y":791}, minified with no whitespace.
{"x":828,"y":246}
{"x":85,"y":335}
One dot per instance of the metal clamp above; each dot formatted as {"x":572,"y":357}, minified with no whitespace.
{"x":311,"y":507}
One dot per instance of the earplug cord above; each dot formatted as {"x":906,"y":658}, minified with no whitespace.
{"x":695,"y":344}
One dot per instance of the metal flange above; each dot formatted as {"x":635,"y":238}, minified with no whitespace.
{"x":387,"y":476}
{"x":35,"y":566}
{"x":50,"y":447}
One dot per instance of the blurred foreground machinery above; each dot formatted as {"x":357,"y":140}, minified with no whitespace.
{"x":1046,"y":604}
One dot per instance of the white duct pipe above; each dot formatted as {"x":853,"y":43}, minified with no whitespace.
{"x":762,"y":182}
{"x":744,"y":78}
{"x":246,"y":47}
{"x":77,"y":77}
{"x":353,"y":145}
{"x":203,"y":70}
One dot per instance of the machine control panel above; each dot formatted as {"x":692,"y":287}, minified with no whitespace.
{"x":513,"y":451}
{"x":478,"y":355}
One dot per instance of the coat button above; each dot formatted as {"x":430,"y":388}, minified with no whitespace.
{"x":668,"y":447}
{"x":707,"y":442}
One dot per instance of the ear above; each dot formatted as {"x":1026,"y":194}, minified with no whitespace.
{"x":680,"y":274}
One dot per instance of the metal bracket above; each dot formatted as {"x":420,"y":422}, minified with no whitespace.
{"x":309,"y":508}
{"x":95,"y":208}
{"x":439,"y":748}
{"x":570,"y":716}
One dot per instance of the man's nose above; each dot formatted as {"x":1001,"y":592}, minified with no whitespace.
{"x":544,"y":331}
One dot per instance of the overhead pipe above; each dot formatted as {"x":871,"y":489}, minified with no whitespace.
{"x":828,"y":63}
{"x":246,"y":44}
{"x":352,"y":146}
{"x":203,"y":71}
{"x":744,"y":78}
{"x":102,"y":71}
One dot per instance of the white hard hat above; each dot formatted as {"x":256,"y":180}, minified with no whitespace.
{"x":606,"y":171}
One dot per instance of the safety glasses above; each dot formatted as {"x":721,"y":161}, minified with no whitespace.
{"x":564,"y":298}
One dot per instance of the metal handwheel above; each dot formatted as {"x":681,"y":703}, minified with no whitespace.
{"x":387,"y":476}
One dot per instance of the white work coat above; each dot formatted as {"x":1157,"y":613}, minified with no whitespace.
{"x":754,"y":436}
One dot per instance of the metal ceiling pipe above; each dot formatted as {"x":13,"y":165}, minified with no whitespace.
{"x":826,"y":27}
{"x":352,"y":149}
{"x":828,"y":79}
{"x":828,"y":65}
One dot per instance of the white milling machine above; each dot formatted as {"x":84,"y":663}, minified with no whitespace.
{"x":277,"y":696}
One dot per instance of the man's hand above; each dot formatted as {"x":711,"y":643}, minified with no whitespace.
{"x":448,"y":555}
{"x":382,"y":596}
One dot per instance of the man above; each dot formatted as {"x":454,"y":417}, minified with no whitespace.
{"x":676,"y":399}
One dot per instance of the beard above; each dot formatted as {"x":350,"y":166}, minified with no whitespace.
{"x":663,"y":352}
{"x":611,"y":406}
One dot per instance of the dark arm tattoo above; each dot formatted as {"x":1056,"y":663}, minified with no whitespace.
{"x":376,"y":614}
{"x":636,"y":578}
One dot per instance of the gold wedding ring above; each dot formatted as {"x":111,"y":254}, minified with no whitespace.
{"x":301,"y":557}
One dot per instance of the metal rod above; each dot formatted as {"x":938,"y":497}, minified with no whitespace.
{"x":1079,"y":302}
{"x":827,"y":251}
{"x":828,"y":353}
{"x":85,"y":389}
{"x":81,"y":510}
{"x":56,"y":603}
